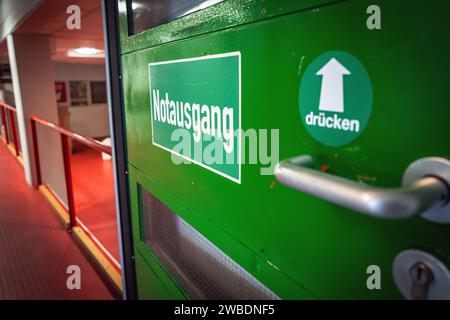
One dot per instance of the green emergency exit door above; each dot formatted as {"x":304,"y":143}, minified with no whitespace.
{"x":344,"y":109}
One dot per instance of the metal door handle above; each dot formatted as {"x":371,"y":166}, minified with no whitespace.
{"x":425,"y":189}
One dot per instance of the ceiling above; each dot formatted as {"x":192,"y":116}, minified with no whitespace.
{"x":50,"y":19}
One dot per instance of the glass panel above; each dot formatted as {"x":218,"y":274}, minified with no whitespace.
{"x":150,"y":13}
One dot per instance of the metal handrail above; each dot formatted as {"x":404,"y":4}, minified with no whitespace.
{"x":7,"y":106}
{"x":11,"y":111}
{"x":94,"y":144}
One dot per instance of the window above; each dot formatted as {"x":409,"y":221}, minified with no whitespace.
{"x":146,"y":14}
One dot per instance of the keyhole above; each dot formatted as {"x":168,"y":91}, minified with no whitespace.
{"x":421,"y":277}
{"x":419,"y":273}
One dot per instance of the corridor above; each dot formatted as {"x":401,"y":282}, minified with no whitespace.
{"x":35,"y":251}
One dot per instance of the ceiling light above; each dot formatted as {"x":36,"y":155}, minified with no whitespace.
{"x":86,"y":52}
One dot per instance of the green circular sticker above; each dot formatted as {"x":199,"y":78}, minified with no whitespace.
{"x":335,"y":98}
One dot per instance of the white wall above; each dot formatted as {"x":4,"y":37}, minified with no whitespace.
{"x":34,"y":94}
{"x":91,"y":120}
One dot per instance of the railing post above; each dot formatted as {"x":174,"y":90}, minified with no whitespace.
{"x":12,"y":119}
{"x":69,"y":185}
{"x":37,"y":163}
{"x":5,"y":124}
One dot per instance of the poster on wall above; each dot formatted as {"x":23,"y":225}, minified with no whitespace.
{"x":61,"y":93}
{"x":79,"y":93}
{"x":98,"y":91}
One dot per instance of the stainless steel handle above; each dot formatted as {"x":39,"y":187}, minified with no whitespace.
{"x":422,"y":193}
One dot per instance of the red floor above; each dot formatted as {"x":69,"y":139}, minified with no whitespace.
{"x":94,"y":197}
{"x":35,"y":251}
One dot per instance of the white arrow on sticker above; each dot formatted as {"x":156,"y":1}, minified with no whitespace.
{"x":332,"y":91}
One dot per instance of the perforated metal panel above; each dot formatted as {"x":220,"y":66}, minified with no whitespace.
{"x":199,"y":267}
